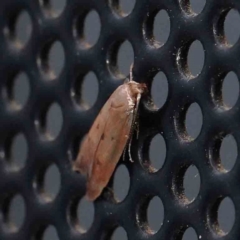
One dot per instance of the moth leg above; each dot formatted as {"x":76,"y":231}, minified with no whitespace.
{"x":124,"y":154}
{"x":130,"y":79}
{"x":135,"y":115}
{"x":131,"y":75}
{"x":129,"y":150}
{"x":137,"y":128}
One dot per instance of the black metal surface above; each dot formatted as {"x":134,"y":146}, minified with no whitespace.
{"x":149,"y":58}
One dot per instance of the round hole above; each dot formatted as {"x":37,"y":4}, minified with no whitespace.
{"x":89,"y":90}
{"x":226,"y":215}
{"x":15,"y":216}
{"x":122,"y":7}
{"x":195,"y":58}
{"x":20,"y":30}
{"x":50,"y":234}
{"x":223,"y":153}
{"x":125,"y":57}
{"x":194,"y":120}
{"x":119,"y":234}
{"x":85,"y":90}
{"x":155,"y":214}
{"x":23,"y":28}
{"x":157,"y":152}
{"x":16,"y":91}
{"x":48,"y":183}
{"x":121,"y":183}
{"x":159,"y":90}
{"x":228,"y":152}
{"x":188,"y":64}
{"x":21,"y":89}
{"x":161,"y":27}
{"x":230,"y":90}
{"x":232,"y":26}
{"x":52,"y":60}
{"x":18,"y":152}
{"x":92,"y":28}
{"x":87,"y":29}
{"x":190,"y":234}
{"x":52,"y":181}
{"x":197,"y":6}
{"x":54,"y":121}
{"x":85,"y":214}
{"x":193,"y":7}
{"x":17,"y":211}
{"x":127,"y":6}
{"x":52,"y":8}
{"x":56,"y":58}
{"x":191,"y":183}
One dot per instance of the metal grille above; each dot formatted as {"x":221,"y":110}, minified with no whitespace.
{"x":58,"y":90}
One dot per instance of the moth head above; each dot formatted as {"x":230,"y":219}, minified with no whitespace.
{"x":143,"y":88}
{"x":137,"y":88}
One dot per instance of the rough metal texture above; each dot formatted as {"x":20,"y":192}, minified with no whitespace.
{"x":149,"y":58}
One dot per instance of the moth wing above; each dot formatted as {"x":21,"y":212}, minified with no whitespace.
{"x":85,"y":157}
{"x":109,"y":151}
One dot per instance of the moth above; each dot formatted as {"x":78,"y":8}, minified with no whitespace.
{"x":109,"y":137}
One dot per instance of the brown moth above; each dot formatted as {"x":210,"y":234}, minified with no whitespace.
{"x":109,"y":137}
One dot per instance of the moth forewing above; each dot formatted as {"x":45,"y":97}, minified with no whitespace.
{"x":108,"y":137}
{"x":85,"y":157}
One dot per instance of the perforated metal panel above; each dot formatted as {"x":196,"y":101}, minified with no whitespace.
{"x":34,"y":89}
